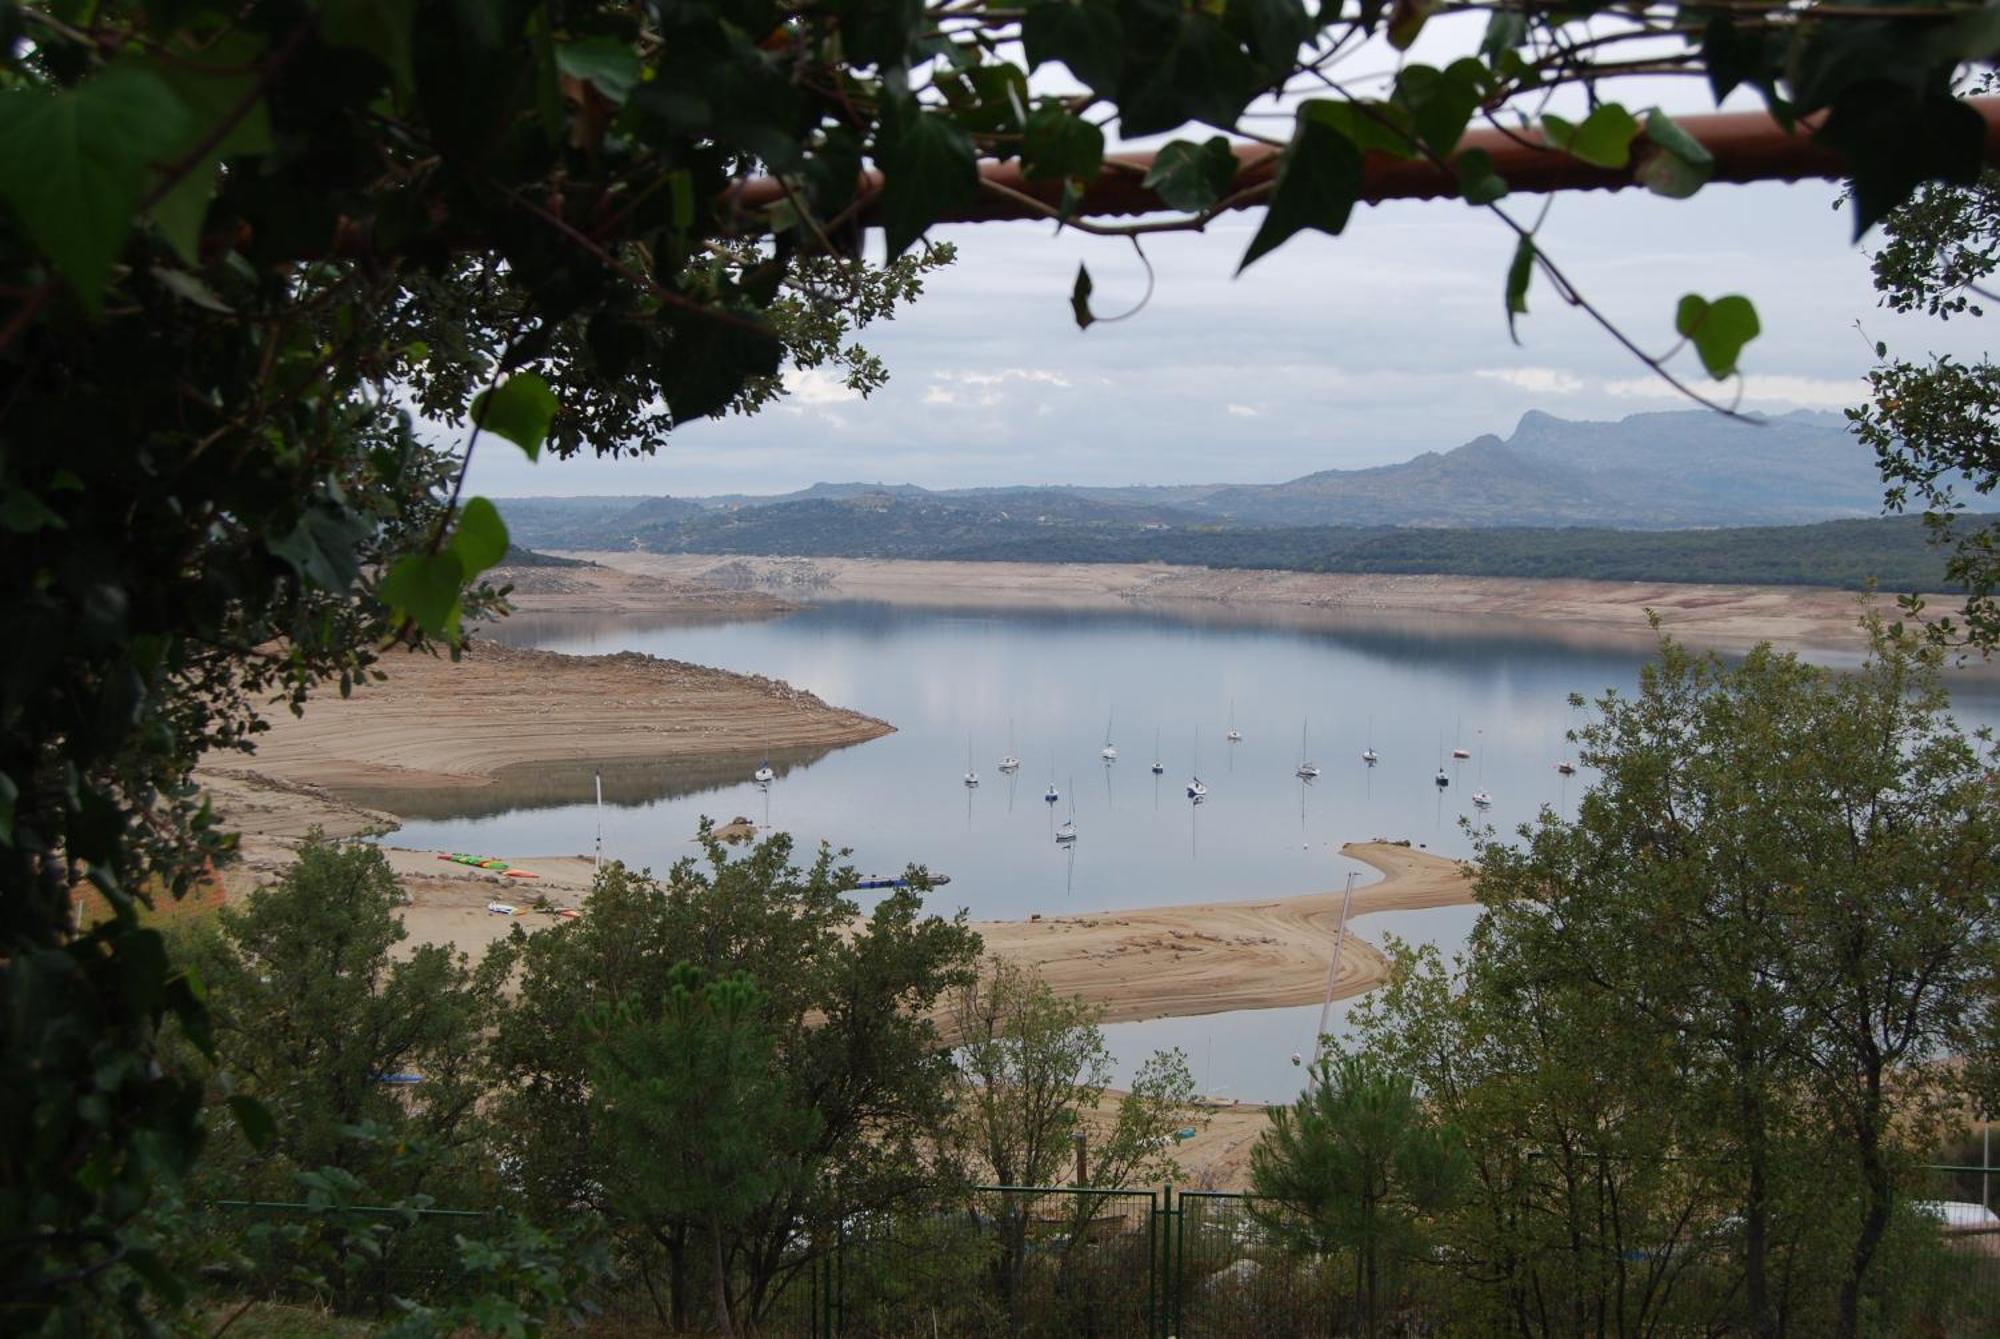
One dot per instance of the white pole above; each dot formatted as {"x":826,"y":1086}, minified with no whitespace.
{"x":599,"y":867}
{"x":1333,"y":967}
{"x":1986,"y":1165}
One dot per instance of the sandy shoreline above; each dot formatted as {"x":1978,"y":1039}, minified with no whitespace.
{"x":1575,"y":612}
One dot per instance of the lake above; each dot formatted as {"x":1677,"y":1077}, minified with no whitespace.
{"x":1051,"y":686}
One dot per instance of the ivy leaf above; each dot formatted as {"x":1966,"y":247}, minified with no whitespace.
{"x":1440,"y":102}
{"x":1183,"y":66}
{"x":1477,"y":181}
{"x":254,"y":1119}
{"x":1086,"y":35}
{"x":928,"y":169}
{"x":1602,"y":139}
{"x":1079,"y":298}
{"x":519,"y":409}
{"x":1383,"y":127}
{"x":1274,"y":30}
{"x":1057,"y":146}
{"x":605,"y":63}
{"x":74,"y":164}
{"x":213,"y":87}
{"x":1519,"y":271}
{"x":425,"y":587}
{"x":1406,"y":20}
{"x":1319,"y":179}
{"x":481,"y":538}
{"x":1674,"y":164}
{"x":381,"y":28}
{"x":1505,"y":30}
{"x":1190,"y":177}
{"x":9,"y":794}
{"x":1718,"y":329}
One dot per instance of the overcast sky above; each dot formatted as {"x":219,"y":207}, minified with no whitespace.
{"x":1329,"y":353}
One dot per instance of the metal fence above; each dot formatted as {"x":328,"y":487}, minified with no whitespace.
{"x":1061,"y":1261}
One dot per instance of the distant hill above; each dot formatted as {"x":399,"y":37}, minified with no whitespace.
{"x":1663,"y":471}
{"x":1659,"y":471}
{"x":1686,"y":496}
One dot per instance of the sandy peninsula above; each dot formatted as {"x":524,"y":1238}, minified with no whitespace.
{"x":1574,"y":612}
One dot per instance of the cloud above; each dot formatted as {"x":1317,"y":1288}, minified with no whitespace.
{"x":1536,"y":380}
{"x":816,"y":386}
{"x":982,"y":388}
{"x":1242,"y":411}
{"x":1759,"y":388}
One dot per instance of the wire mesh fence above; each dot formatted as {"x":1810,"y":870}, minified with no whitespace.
{"x":1063,"y":1261}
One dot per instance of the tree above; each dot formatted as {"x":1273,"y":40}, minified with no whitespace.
{"x":698,"y":1130}
{"x":841,"y":1012}
{"x":318,"y":1020}
{"x":1817,"y":847}
{"x":1934,"y":423}
{"x":1355,"y":1164}
{"x":237,"y":238}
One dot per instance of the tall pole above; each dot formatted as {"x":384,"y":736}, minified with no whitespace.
{"x":598,"y":868}
{"x":1333,"y":967}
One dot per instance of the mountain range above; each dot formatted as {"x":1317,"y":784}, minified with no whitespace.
{"x":1655,"y":471}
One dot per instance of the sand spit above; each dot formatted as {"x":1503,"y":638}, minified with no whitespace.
{"x":1213,"y":957}
{"x":1574,"y":612}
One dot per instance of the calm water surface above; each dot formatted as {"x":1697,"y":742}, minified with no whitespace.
{"x":1049,"y":686}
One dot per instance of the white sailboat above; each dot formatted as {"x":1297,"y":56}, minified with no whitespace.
{"x":1460,"y":751}
{"x":1010,"y":763}
{"x":1234,"y":736}
{"x":971,"y":777}
{"x":1050,"y":796}
{"x":1369,"y":755}
{"x":764,"y":776}
{"x":1197,"y":789}
{"x":1307,"y":768}
{"x":1110,"y":750}
{"x":1066,"y":831}
{"x":1158,"y":766}
{"x":1480,"y":798}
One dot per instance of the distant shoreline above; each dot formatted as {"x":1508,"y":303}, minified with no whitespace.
{"x":1577,"y":612}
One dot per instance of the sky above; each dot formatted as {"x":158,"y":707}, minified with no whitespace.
{"x":1330,"y":353}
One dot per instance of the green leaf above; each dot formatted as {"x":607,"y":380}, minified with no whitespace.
{"x":1188,"y":67}
{"x":608,"y":64}
{"x":1477,"y":181}
{"x":1718,"y":329}
{"x":1406,"y":20}
{"x":1673,"y":163}
{"x":481,"y":538}
{"x":425,"y":587}
{"x":24,"y":513}
{"x":519,"y":409}
{"x":213,"y":84}
{"x":1505,"y":30}
{"x":1319,"y":179}
{"x":1191,"y":177}
{"x":190,"y":289}
{"x":1519,"y":271}
{"x":1441,"y":102}
{"x":1274,"y":30}
{"x":73,"y":165}
{"x":1384,"y":127}
{"x":381,"y":28}
{"x":1079,"y":298}
{"x":1086,"y":35}
{"x":928,"y":169}
{"x":9,"y":793}
{"x":1058,"y":146}
{"x":1603,"y":139}
{"x":254,"y":1119}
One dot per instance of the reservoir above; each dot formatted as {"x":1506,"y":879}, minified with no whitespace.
{"x":968,"y":686}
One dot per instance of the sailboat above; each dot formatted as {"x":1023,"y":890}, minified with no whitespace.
{"x":1460,"y":751}
{"x":971,"y":777}
{"x":1010,"y":763}
{"x":1369,"y":755}
{"x":1066,"y":831}
{"x":1197,"y":790}
{"x":1480,"y":799}
{"x":1110,"y":750}
{"x":1234,"y":736}
{"x":1307,"y":768}
{"x":764,"y":776}
{"x":1564,"y":765}
{"x":1158,"y":766}
{"x":1050,"y":795}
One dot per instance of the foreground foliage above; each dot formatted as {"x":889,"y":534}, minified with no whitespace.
{"x":1703,"y":1030}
